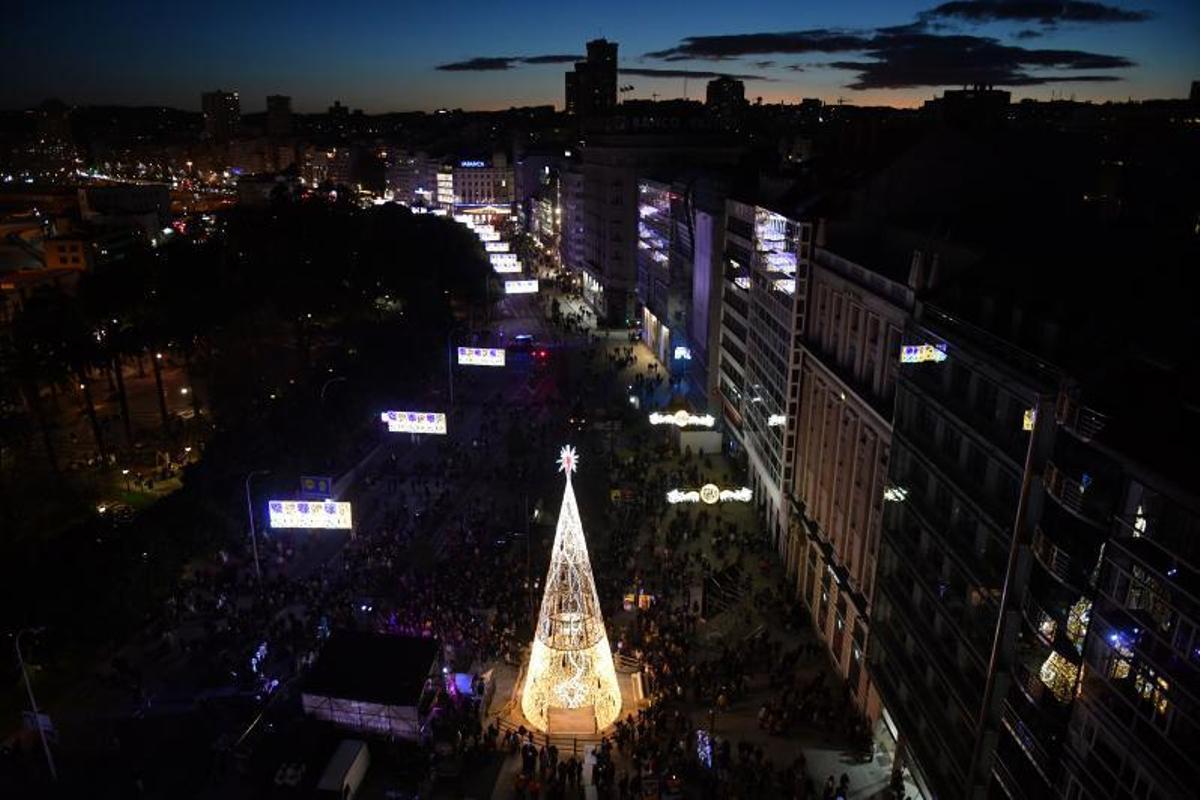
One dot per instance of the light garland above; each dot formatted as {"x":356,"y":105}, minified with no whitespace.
{"x":711,"y":494}
{"x":682,"y":419}
{"x":570,"y":662}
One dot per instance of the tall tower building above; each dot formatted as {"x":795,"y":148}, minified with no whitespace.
{"x":591,"y":88}
{"x":222,"y":114}
{"x":279,"y":115}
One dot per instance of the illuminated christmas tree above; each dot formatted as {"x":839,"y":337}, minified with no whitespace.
{"x":570,"y":664}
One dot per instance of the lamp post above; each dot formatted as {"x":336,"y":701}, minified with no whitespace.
{"x":328,"y":383}
{"x":250,"y":516}
{"x":37,"y":718}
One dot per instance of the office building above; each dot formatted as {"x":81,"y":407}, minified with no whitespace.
{"x":279,"y":115}
{"x":222,"y":115}
{"x":766,"y":269}
{"x":477,"y":182}
{"x":861,"y":293}
{"x":572,"y":246}
{"x":591,"y":87}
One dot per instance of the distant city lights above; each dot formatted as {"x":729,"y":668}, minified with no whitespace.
{"x":682,"y":419}
{"x":414,"y":422}
{"x":776,"y":420}
{"x":481,"y":356}
{"x":683,"y":353}
{"x":304,"y":514}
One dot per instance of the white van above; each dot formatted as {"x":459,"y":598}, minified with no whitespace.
{"x":345,"y":771}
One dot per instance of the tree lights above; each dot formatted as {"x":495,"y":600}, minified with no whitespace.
{"x":570,"y":662}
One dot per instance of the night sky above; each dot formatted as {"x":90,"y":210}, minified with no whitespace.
{"x":395,"y":56}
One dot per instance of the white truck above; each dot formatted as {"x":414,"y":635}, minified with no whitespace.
{"x":345,"y":771}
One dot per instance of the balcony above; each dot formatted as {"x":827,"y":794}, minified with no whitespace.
{"x":1056,"y":561}
{"x":1076,"y":496}
{"x":1084,"y":422}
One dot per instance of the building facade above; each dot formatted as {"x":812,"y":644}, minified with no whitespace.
{"x":591,"y":87}
{"x":279,"y":115}
{"x":843,"y":446}
{"x":767,"y":258}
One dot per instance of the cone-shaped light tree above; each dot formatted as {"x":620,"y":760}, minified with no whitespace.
{"x":570,"y":664}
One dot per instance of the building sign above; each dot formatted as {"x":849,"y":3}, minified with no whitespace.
{"x":918,"y":353}
{"x":414,"y":422}
{"x":710,"y":494}
{"x":472,"y":164}
{"x":303,"y":514}
{"x":481,"y":356}
{"x":682,"y":419}
{"x":683,"y":353}
{"x":505,"y":262}
{"x":521,"y":287}
{"x":496,"y":247}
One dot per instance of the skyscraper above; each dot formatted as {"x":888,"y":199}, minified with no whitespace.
{"x":726,"y":97}
{"x":592,"y":87}
{"x":222,"y":114}
{"x":279,"y":115}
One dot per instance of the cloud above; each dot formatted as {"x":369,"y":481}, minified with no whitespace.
{"x":908,"y":56}
{"x":796,"y":67}
{"x":1028,"y":33}
{"x":819,"y":40}
{"x":500,"y":63}
{"x":556,"y":59}
{"x":763,"y":64}
{"x":912,"y":60}
{"x":1045,"y":12}
{"x":688,"y":73}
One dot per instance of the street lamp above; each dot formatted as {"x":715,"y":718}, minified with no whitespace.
{"x":250,"y":515}
{"x":327,"y":384}
{"x":37,"y":718}
{"x":125,"y":473}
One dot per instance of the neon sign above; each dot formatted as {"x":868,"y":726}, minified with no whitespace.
{"x":521,"y":287}
{"x":481,"y":356}
{"x":682,"y":419}
{"x":918,"y":353}
{"x":471,"y":164}
{"x":414,"y":422}
{"x":303,"y":514}
{"x":710,"y":494}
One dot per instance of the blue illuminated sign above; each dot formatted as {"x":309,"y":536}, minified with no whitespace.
{"x":472,"y":164}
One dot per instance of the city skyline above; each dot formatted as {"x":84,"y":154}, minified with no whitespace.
{"x":384,"y":58}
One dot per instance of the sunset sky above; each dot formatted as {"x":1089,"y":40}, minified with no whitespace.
{"x":385,"y":56}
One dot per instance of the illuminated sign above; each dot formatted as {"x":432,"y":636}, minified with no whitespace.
{"x":505,"y":262}
{"x":463,"y":218}
{"x":710,"y":494}
{"x":521,"y":287}
{"x":776,"y":421}
{"x":895,"y":494}
{"x":487,"y":236}
{"x":315,"y":487}
{"x":1027,"y":419}
{"x":918,"y":353}
{"x":496,"y":247}
{"x":683,"y":353}
{"x":682,"y":419}
{"x":303,"y":514}
{"x":414,"y":422}
{"x":481,"y":356}
{"x":471,"y":164}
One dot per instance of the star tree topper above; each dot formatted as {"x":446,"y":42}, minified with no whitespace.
{"x":568,"y":460}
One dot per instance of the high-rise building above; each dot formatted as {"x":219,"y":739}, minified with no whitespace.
{"x":279,"y":115}
{"x":591,"y":88}
{"x":726,"y":97}
{"x":222,"y":114}
{"x":767,"y":258}
{"x":476,"y":182}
